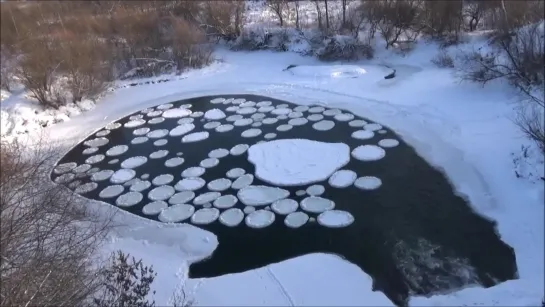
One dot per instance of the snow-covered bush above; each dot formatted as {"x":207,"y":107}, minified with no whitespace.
{"x":260,"y":38}
{"x":345,"y":48}
{"x":443,"y":59}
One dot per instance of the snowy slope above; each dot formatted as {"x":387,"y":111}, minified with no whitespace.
{"x":463,"y":129}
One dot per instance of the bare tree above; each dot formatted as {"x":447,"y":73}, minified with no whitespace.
{"x":318,"y":12}
{"x":474,"y":11}
{"x":48,"y":238}
{"x":278,"y":7}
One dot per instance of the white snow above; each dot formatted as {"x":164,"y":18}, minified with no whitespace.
{"x":298,"y":121}
{"x":372,"y":127}
{"x":103,"y":133}
{"x":102,"y":175}
{"x":249,"y":209}
{"x":195,"y":137}
{"x":211,"y":125}
{"x":259,"y":219}
{"x":158,"y":154}
{"x":154,"y":208}
{"x":156,"y":120}
{"x":175,"y":113}
{"x":234,"y":118}
{"x":218,"y":153}
{"x":243,"y":181}
{"x":363,"y":134}
{"x":342,"y":178}
{"x":231,"y":217}
{"x":265,"y":109}
{"x":284,"y":127}
{"x":176,"y":213}
{"x":225,"y":201}
{"x":259,"y":195}
{"x":368,"y":183}
{"x":357,"y":123}
{"x":161,"y":142}
{"x":316,"y":204}
{"x":239,"y":149}
{"x":134,"y":123}
{"x":335,"y":218}
{"x":209,"y":162}
{"x":157,"y":134}
{"x":194,"y":171}
{"x":284,"y":206}
{"x":269,"y":136}
{"x":314,"y":190}
{"x":190,"y":183}
{"x":331,"y":112}
{"x":89,"y":151}
{"x":64,"y":167}
{"x":139,"y":140}
{"x":269,"y":120}
{"x":129,"y":199}
{"x":316,"y":110}
{"x":250,"y":133}
{"x":197,"y":114}
{"x":235,"y":172}
{"x":86,"y":187}
{"x":224,"y":128}
{"x":205,"y":216}
{"x":97,"y":142}
{"x":161,"y":192}
{"x":173,"y":162}
{"x":81,"y":168}
{"x":344,"y":117}
{"x":134,"y":162}
{"x":185,"y":120}
{"x":290,"y":162}
{"x":368,"y":153}
{"x":246,"y":110}
{"x":214,"y":114}
{"x":281,"y":111}
{"x":315,"y":117}
{"x":111,"y":191}
{"x":117,"y":150}
{"x":323,"y":125}
{"x":243,"y":122}
{"x":140,"y":185}
{"x":303,"y":192}
{"x":388,"y":143}
{"x":162,"y":179}
{"x":296,"y":219}
{"x":365,"y":74}
{"x":181,"y":129}
{"x":206,"y":198}
{"x":181,"y":197}
{"x":217,"y":100}
{"x":122,"y":175}
{"x":219,"y":185}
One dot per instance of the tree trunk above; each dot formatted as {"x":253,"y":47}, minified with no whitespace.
{"x":344,"y":12}
{"x":319,"y":13}
{"x":297,"y":15}
{"x":326,"y":16}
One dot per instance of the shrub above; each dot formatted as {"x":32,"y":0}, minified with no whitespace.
{"x":47,"y":239}
{"x":127,"y":283}
{"x":253,"y":38}
{"x":443,"y":60}
{"x":343,"y":48}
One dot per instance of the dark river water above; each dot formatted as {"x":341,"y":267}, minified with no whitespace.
{"x":412,"y":235}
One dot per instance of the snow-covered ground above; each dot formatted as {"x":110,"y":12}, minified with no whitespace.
{"x":462,"y":128}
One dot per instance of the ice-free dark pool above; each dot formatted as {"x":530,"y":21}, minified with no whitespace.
{"x":321,"y":180}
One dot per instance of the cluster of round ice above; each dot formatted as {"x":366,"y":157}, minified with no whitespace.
{"x":177,"y":201}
